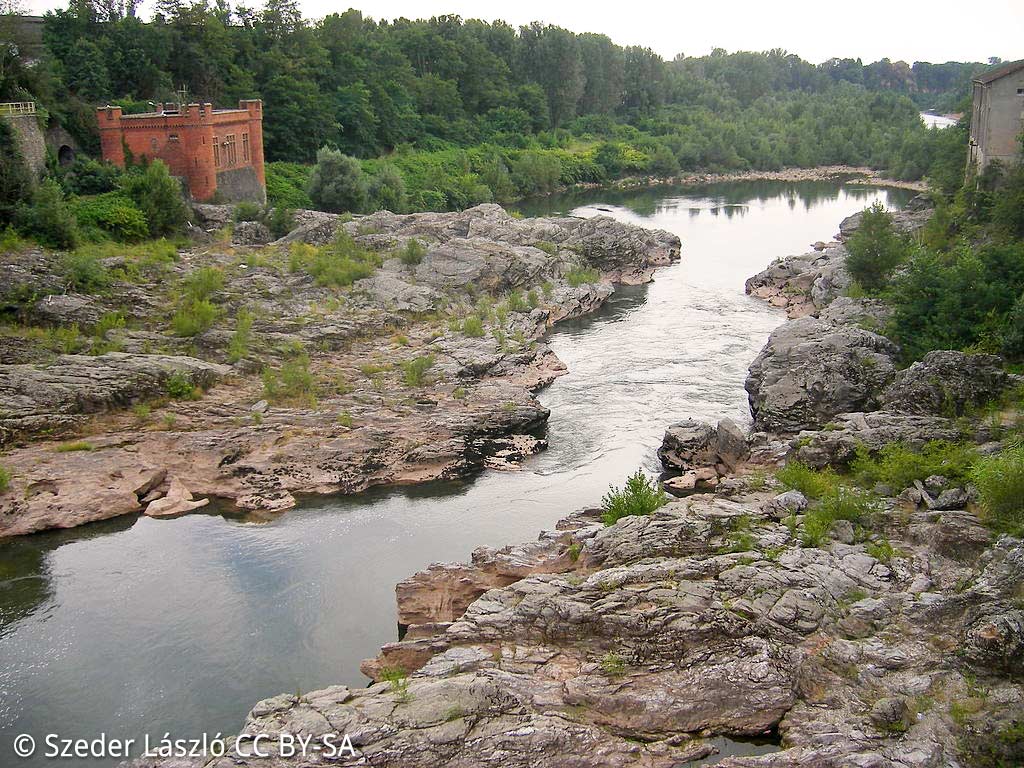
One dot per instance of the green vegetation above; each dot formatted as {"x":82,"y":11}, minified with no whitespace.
{"x":414,"y":372}
{"x":78,"y":445}
{"x":238,"y":347}
{"x":640,"y":496}
{"x":337,"y":265}
{"x":876,"y":249}
{"x":578,"y":276}
{"x":898,"y":466}
{"x":84,"y":272}
{"x":613,"y":665}
{"x":5,"y":479}
{"x":811,"y":483}
{"x":412,"y":253}
{"x":292,"y":383}
{"x":196,"y":313}
{"x":1000,"y":482}
{"x":473,"y":327}
{"x":398,"y":679}
{"x":180,"y":387}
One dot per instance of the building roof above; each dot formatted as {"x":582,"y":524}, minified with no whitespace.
{"x":1001,"y":71}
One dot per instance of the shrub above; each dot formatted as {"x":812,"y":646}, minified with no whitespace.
{"x":838,"y":503}
{"x":337,"y":265}
{"x":613,"y":665}
{"x":412,"y":253}
{"x":337,"y":183}
{"x":292,"y":382}
{"x":194,"y":317}
{"x":386,"y":190}
{"x":811,"y":483}
{"x":544,"y":245}
{"x":1000,"y":483}
{"x":882,"y":550}
{"x":84,"y":272}
{"x":640,"y":496}
{"x":49,"y":219}
{"x":286,"y":185}
{"x":280,"y":221}
{"x":898,"y":466}
{"x":5,"y":479}
{"x":532,"y":299}
{"x":414,"y":371}
{"x":180,"y":387}
{"x":202,"y":283}
{"x":398,"y":680}
{"x":473,"y":327}
{"x":158,"y":195}
{"x":578,"y":276}
{"x":238,"y":347}
{"x":516,"y":302}
{"x":875,"y":249}
{"x":113,"y":214}
{"x":247,"y":211}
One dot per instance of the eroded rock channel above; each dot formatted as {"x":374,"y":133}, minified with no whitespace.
{"x":646,"y":642}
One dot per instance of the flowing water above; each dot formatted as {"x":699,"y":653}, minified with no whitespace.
{"x":137,"y":625}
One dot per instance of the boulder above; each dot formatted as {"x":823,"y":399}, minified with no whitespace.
{"x":689,"y":445}
{"x":811,"y":371}
{"x":251,"y":233}
{"x":178,"y":501}
{"x":947,"y":383}
{"x":837,"y":445}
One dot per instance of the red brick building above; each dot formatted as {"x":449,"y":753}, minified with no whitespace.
{"x":217,"y":152}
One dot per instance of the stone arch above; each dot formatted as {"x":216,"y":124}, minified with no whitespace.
{"x":65,"y":155}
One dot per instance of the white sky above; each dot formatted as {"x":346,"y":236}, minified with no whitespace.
{"x":911,"y":30}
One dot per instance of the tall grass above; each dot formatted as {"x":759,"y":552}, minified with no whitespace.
{"x":812,"y":483}
{"x":1000,"y":483}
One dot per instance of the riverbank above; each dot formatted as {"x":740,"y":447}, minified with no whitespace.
{"x":422,"y":370}
{"x":721,"y":613}
{"x":847,"y":173}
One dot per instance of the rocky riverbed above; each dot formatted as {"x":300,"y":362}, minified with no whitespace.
{"x":383,"y":382}
{"x":898,"y":642}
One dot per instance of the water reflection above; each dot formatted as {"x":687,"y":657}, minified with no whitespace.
{"x":139,"y":625}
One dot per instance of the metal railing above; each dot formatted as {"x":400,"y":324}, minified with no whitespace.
{"x":18,"y":108}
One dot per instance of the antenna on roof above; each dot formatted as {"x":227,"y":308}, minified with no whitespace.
{"x":182,"y":97}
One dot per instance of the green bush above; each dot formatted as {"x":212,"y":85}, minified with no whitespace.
{"x":248,"y":211}
{"x":337,"y":265}
{"x":473,"y":327}
{"x":238,"y":347}
{"x":194,"y":317}
{"x":49,"y":219}
{"x":640,"y":496}
{"x":291,"y":383}
{"x":814,"y":484}
{"x":412,"y":252}
{"x":84,"y":272}
{"x":516,"y":302}
{"x":286,"y":185}
{"x":1000,"y":483}
{"x":202,"y":283}
{"x":113,"y":214}
{"x":578,"y":276}
{"x":876,"y":249}
{"x":337,"y":183}
{"x":180,"y":387}
{"x":898,"y":466}
{"x":5,"y":479}
{"x":158,"y":195}
{"x":280,"y":221}
{"x":414,"y":372}
{"x":838,"y":503}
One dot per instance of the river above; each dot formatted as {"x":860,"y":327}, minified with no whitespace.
{"x":138,"y":625}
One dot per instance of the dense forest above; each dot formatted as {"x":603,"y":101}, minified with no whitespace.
{"x":467,"y":111}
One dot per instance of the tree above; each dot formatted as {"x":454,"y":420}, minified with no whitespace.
{"x":48,"y":219}
{"x":15,"y":179}
{"x":387,"y":189}
{"x":158,"y":195}
{"x":337,"y":183}
{"x":875,"y":249}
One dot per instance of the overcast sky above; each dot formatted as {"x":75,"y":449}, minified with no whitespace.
{"x":911,"y":30}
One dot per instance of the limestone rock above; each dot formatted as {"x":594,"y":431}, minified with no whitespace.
{"x":811,"y":371}
{"x":946,"y":382}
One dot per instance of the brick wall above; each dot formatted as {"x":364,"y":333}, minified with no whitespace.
{"x":192,"y":143}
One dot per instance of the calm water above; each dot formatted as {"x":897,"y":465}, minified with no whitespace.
{"x":139,"y":625}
